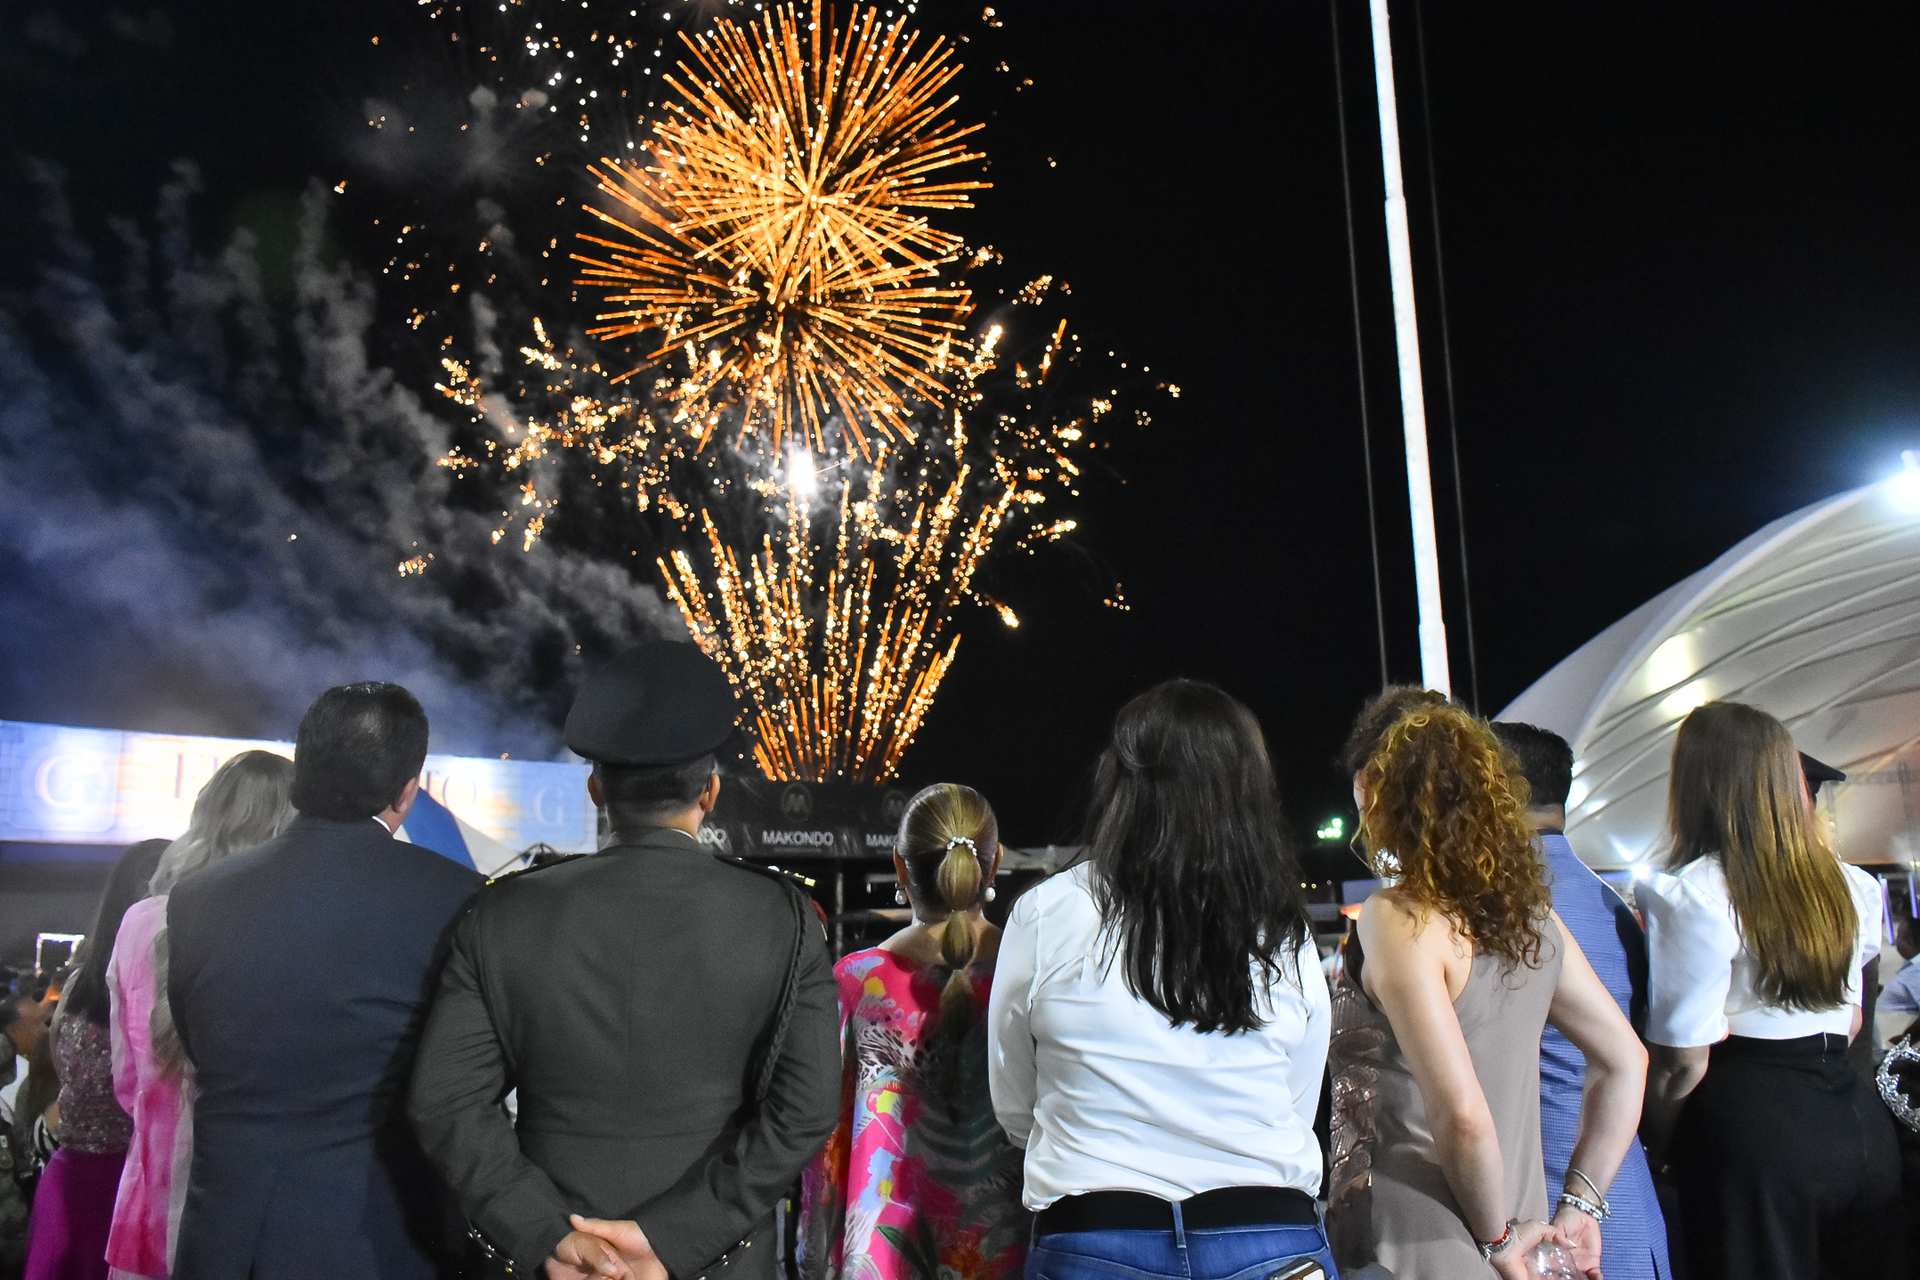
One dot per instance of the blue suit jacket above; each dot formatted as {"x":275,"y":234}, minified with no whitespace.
{"x":1634,"y":1239}
{"x":299,"y":975}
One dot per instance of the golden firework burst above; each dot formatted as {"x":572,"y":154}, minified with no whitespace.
{"x":881,"y":444}
{"x":840,"y":672}
{"x":776,"y":235}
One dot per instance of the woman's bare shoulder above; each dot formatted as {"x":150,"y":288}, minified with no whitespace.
{"x":1393,"y":918}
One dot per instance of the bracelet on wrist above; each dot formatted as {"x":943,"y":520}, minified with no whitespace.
{"x":1598,"y":1212}
{"x":1599,"y":1196}
{"x":1488,"y":1248}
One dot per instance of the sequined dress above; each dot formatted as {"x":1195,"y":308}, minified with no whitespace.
{"x":73,"y":1206}
{"x":90,"y":1116}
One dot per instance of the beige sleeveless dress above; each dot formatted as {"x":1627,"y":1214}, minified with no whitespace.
{"x":1388,"y":1200}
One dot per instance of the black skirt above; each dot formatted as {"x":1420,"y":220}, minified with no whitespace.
{"x":1787,"y":1166}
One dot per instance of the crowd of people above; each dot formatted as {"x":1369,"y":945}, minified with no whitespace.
{"x":295,"y":1046}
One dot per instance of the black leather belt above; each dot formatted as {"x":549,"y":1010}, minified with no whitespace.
{"x":1210,"y":1210}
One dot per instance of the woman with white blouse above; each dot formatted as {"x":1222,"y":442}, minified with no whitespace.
{"x":1158,"y":1025}
{"x":1786,"y":1163}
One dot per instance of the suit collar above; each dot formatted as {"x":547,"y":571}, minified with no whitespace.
{"x":359,"y":826}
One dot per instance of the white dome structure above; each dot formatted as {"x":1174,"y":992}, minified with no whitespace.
{"x":1815,"y":619}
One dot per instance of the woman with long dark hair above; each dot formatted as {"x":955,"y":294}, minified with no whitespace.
{"x":73,"y":1205}
{"x":1787,"y":1166}
{"x":1159,"y":1018}
{"x":1459,"y":965}
{"x":242,"y":806}
{"x":918,"y":1180}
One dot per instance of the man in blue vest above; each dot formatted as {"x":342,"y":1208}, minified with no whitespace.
{"x":1634,"y":1237}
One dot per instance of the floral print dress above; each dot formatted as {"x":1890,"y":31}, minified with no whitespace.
{"x":918,"y":1182}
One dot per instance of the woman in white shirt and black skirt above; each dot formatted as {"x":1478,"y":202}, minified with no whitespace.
{"x":1785,"y":1162}
{"x":1158,"y":1026}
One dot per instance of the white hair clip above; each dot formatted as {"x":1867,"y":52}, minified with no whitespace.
{"x":974,"y":848}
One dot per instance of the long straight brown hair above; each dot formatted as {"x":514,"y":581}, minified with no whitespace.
{"x":1736,"y":794}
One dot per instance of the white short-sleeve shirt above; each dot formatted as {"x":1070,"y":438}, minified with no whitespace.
{"x":1702,"y":977}
{"x":1105,"y":1096}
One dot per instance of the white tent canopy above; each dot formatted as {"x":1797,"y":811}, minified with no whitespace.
{"x":1816,"y":619}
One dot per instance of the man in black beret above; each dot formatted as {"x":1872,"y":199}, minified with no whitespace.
{"x":667,"y":1018}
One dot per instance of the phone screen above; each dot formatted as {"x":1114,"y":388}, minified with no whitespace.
{"x":51,"y":951}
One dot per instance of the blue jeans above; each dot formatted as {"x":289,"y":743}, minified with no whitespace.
{"x":1226,"y":1253}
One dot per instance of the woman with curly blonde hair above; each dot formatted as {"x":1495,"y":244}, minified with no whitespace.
{"x":1460,"y":963}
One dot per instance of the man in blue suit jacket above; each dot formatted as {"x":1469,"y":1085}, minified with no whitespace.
{"x":1633,"y":1242}
{"x":299,"y":975}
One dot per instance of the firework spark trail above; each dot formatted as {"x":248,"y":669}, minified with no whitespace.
{"x":844,"y":706}
{"x":773,"y":238}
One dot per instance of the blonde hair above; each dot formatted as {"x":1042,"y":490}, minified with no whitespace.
{"x":1736,"y":793}
{"x":246,"y":803}
{"x":948,"y":839}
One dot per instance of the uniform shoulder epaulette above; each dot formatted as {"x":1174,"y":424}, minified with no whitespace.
{"x":794,"y":878}
{"x":517,"y":872}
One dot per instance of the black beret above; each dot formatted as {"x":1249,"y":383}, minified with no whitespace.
{"x":1817,"y":772}
{"x":659,"y":703}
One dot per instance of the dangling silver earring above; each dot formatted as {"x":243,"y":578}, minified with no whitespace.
{"x":988,"y":895}
{"x":899,"y":896}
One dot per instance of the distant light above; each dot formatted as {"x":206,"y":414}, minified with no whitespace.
{"x":1638,"y":871}
{"x":1677,"y":705}
{"x":801,"y":475}
{"x":1672,"y":663}
{"x":1904,"y":488}
{"x":1335,"y":829}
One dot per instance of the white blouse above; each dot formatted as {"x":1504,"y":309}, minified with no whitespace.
{"x":1702,"y":977}
{"x":1105,"y":1096}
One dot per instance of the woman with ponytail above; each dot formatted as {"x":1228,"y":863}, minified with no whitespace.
{"x":918,"y":1181}
{"x":1159,"y":1023}
{"x":1786,"y":1165}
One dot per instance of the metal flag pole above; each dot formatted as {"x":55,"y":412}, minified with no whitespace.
{"x":1406,"y":330}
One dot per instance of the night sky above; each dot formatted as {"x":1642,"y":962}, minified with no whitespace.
{"x":1682,"y":268}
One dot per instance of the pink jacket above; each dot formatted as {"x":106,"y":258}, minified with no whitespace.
{"x":153,"y":1184}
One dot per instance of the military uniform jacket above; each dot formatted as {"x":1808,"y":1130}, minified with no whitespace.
{"x":630,"y":997}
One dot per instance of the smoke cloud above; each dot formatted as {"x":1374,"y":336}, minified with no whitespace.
{"x":208,"y":498}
